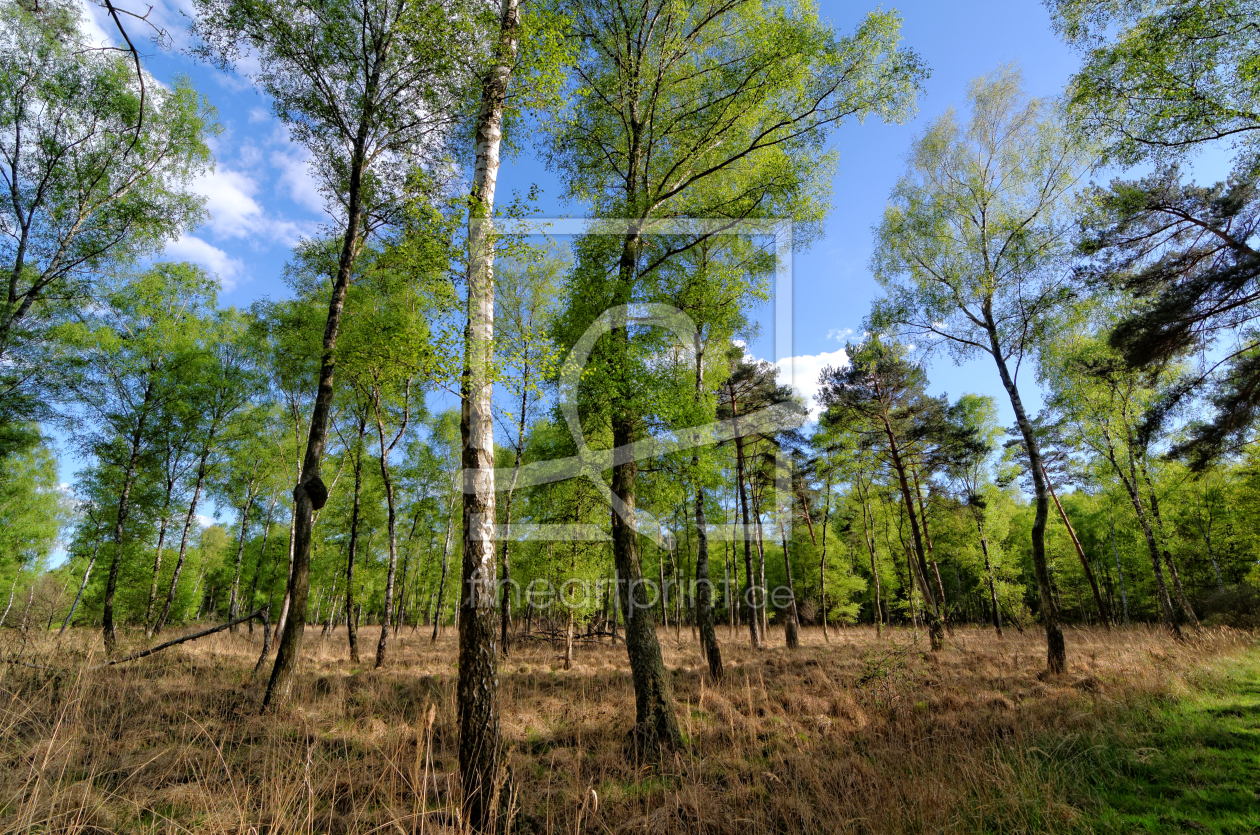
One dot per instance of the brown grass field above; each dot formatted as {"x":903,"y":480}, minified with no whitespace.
{"x":858,"y":734}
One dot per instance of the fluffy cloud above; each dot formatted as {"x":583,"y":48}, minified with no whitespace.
{"x":295,"y":178}
{"x":92,"y":20}
{"x":229,"y":270}
{"x":234,"y":213}
{"x":802,"y":372}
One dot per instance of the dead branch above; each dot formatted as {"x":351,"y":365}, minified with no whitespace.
{"x":137,"y":655}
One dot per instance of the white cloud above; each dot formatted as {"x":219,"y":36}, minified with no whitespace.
{"x":234,"y":213}
{"x":802,"y":372}
{"x":204,"y":521}
{"x":92,"y":19}
{"x":839,"y":334}
{"x":293,"y":163}
{"x":191,"y":248}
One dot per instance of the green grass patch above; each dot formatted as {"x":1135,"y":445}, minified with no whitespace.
{"x":1175,"y":765}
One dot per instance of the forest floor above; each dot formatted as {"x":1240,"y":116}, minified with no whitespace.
{"x":857,"y":734}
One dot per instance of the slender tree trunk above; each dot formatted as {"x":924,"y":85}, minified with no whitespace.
{"x":664,"y":591}
{"x":988,"y":570}
{"x":868,"y":535}
{"x":1103,"y":610}
{"x":1056,"y":650}
{"x":1207,"y":542}
{"x":332,"y":609}
{"x":822,"y":560}
{"x":762,"y":591}
{"x":402,"y":595}
{"x":656,"y":726}
{"x":1216,"y":567}
{"x":1129,"y":481}
{"x":1124,"y":594}
{"x":240,"y":553}
{"x":183,"y":543}
{"x":262,"y":553}
{"x":288,"y":582}
{"x":96,"y":547}
{"x":446,"y":556}
{"x":505,"y":613}
{"x":792,"y":626}
{"x":391,"y":522}
{"x":157,"y":557}
{"x":941,"y":605}
{"x":352,"y":626}
{"x":704,"y":600}
{"x":1182,"y":599}
{"x":918,"y":563}
{"x":310,"y":493}
{"x":12,"y":591}
{"x":120,"y":522}
{"x":732,"y":598}
{"x":750,"y":592}
{"x":26,"y":611}
{"x":568,"y":642}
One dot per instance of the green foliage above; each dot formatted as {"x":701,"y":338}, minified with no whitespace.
{"x":1163,"y":78}
{"x":32,"y":510}
{"x":87,"y":190}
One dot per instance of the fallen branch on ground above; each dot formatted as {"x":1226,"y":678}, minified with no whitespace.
{"x":137,"y":655}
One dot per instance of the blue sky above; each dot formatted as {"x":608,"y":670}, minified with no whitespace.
{"x":261,"y":198}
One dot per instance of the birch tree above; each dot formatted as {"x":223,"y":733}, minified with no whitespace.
{"x":716,"y":109}
{"x":371,"y":89}
{"x":967,"y":255}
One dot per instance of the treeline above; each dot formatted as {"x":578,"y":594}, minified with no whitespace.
{"x":1127,"y":308}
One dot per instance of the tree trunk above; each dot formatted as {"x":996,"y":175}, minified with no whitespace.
{"x":446,"y":556}
{"x":917,"y":563}
{"x":262,"y":553}
{"x":157,"y":557}
{"x":656,"y":726}
{"x":868,"y":535}
{"x":391,"y":520}
{"x":352,"y":626}
{"x":477,"y":688}
{"x":1103,"y":610}
{"x":792,"y":626}
{"x":1124,"y":594}
{"x":704,"y":600}
{"x":12,"y":591}
{"x":664,"y":590}
{"x":1129,"y":481}
{"x":284,"y":602}
{"x":822,"y":559}
{"x":332,"y":609}
{"x":402,"y":609}
{"x":1056,"y":650}
{"x":96,"y":547}
{"x":750,"y":593}
{"x":505,"y":613}
{"x":120,"y":522}
{"x":240,"y":553}
{"x":310,"y":494}
{"x":941,"y":605}
{"x":1182,"y":600}
{"x":183,"y":544}
{"x":762,"y":591}
{"x":988,"y":570}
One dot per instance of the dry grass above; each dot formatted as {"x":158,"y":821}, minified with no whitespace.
{"x":855,"y":735}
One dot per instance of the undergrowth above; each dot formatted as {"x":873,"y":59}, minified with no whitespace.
{"x":856,"y":734}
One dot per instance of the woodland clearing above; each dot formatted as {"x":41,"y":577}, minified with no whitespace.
{"x":858,"y":734}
